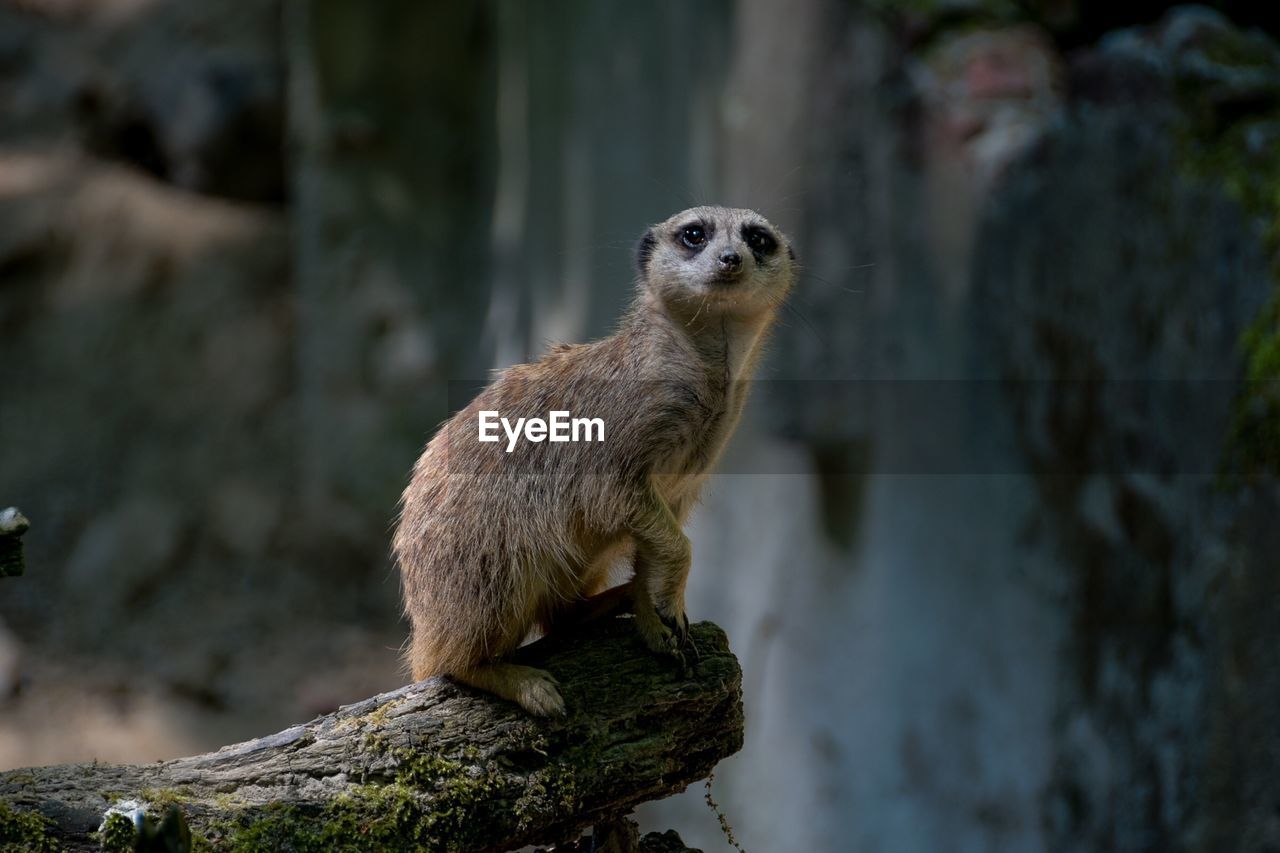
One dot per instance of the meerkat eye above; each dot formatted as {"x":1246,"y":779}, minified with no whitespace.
{"x":759,"y":241}
{"x":693,"y":236}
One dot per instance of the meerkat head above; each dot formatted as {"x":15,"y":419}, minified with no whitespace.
{"x":709,"y":261}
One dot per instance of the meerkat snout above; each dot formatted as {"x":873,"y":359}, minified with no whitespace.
{"x":730,"y":262}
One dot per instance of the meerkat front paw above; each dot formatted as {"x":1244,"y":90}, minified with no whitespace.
{"x":656,"y":633}
{"x":666,"y":633}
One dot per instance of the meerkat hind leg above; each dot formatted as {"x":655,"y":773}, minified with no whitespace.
{"x":531,"y":688}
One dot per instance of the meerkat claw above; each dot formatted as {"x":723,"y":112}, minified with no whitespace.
{"x":692,"y":648}
{"x":678,"y":626}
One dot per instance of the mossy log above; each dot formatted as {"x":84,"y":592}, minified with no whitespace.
{"x":12,"y":526}
{"x":433,"y":766}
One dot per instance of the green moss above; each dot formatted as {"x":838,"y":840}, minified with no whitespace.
{"x":375,"y":743}
{"x":467,"y":788}
{"x":277,"y":827}
{"x":390,"y":816}
{"x":228,"y":801}
{"x":378,"y":716}
{"x":430,"y":802}
{"x":397,"y":815}
{"x":549,"y":792}
{"x":25,"y":831}
{"x":157,"y":799}
{"x":117,"y":834}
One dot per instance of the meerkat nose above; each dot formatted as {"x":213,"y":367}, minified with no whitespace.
{"x":730,"y":261}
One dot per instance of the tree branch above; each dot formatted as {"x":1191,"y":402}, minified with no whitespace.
{"x":434,"y":765}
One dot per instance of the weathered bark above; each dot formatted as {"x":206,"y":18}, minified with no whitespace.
{"x":12,"y":526}
{"x":435,"y":766}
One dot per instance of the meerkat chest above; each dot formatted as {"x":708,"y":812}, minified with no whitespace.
{"x":704,"y":388}
{"x":709,"y":419}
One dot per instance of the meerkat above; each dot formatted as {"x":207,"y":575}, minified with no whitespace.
{"x":496,"y":540}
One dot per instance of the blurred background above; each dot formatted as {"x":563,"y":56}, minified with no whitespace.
{"x":997,"y":541}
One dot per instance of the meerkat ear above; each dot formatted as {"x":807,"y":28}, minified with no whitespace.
{"x":644,"y":249}
{"x":791,"y":252}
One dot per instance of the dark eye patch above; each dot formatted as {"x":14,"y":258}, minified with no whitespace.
{"x":758,"y":239}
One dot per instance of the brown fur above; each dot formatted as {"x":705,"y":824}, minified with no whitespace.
{"x":491,"y":544}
